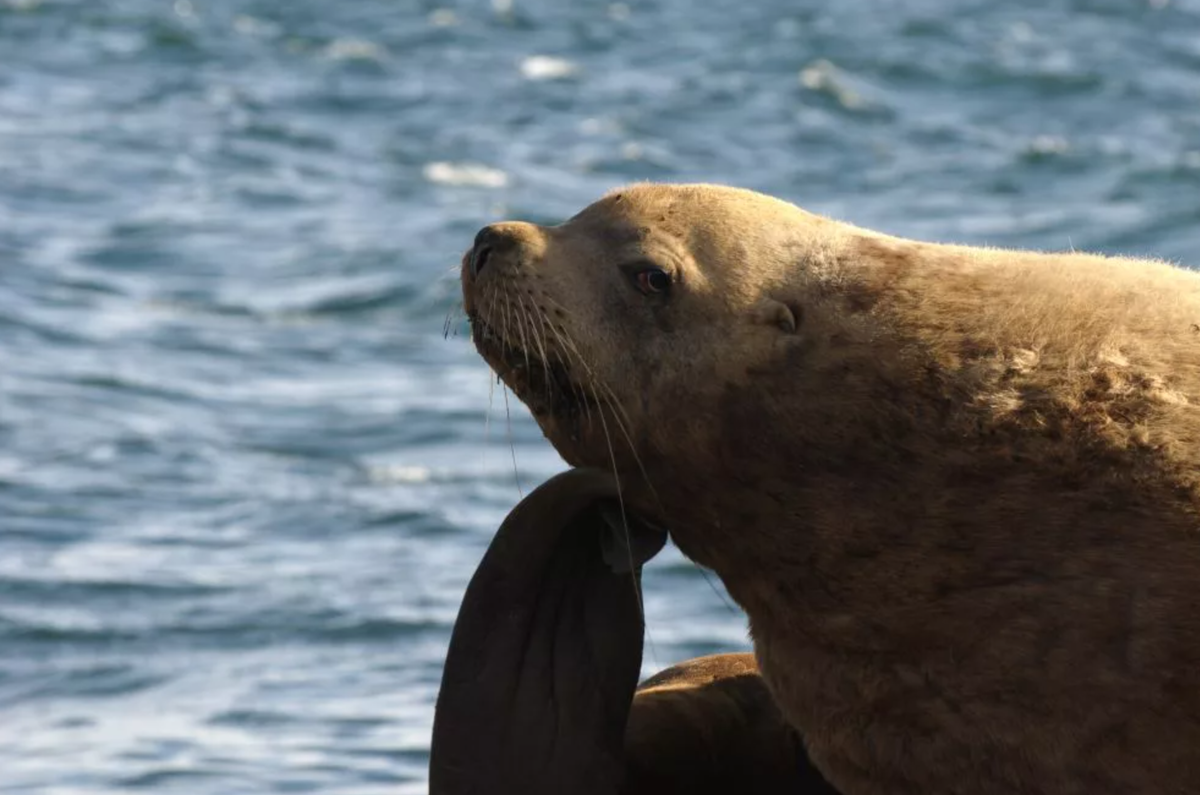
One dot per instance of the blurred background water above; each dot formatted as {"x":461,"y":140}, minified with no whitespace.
{"x":244,"y":478}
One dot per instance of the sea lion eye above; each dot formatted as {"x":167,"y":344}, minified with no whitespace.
{"x":652,"y":280}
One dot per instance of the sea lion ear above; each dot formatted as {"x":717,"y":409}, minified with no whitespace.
{"x":772,"y":312}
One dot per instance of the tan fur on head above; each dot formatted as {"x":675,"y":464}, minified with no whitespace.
{"x":956,"y":495}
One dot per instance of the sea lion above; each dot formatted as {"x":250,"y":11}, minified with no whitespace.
{"x":538,"y":692}
{"x":709,"y":726}
{"x":954,"y":488}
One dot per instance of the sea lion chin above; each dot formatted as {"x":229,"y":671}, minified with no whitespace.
{"x":955,"y":489}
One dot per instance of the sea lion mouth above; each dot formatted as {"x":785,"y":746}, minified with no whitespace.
{"x":540,"y":379}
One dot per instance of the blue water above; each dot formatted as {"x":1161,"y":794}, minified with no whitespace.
{"x":244,"y":478}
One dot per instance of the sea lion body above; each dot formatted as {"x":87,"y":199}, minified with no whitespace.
{"x":710,"y":726}
{"x":954,"y":488}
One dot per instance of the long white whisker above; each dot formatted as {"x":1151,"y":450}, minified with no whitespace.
{"x":511,"y":445}
{"x":519,"y":311}
{"x":570,"y":359}
{"x":620,"y":416}
{"x":541,"y":348}
{"x":492,"y":379}
{"x":508,"y":324}
{"x":621,"y":502}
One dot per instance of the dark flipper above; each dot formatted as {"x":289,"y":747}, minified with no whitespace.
{"x":545,"y":654}
{"x":543,"y":664}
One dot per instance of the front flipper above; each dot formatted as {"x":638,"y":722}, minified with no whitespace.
{"x":546,"y":650}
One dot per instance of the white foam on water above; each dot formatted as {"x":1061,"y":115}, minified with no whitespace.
{"x":465,"y":174}
{"x":354,"y":50}
{"x":545,"y":67}
{"x":824,"y":77}
{"x":400,"y":474}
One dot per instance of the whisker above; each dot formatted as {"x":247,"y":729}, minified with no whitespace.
{"x":533,"y":327}
{"x":637,"y":590}
{"x":623,"y":426}
{"x":504,"y":391}
{"x":620,"y":416}
{"x":452,"y":317}
{"x":492,"y":379}
{"x":452,"y":272}
{"x":570,"y":358}
{"x":567,"y":348}
{"x":536,"y":320}
{"x":519,"y":312}
{"x":616,"y":405}
{"x":724,"y":599}
{"x":621,"y":502}
{"x":507,"y":315}
{"x":593,"y":377}
{"x":622,"y":420}
{"x":487,"y":417}
{"x":511,"y":445}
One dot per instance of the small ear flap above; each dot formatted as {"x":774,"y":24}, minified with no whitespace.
{"x":776,"y":313}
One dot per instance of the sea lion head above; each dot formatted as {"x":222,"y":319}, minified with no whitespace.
{"x":624,"y":328}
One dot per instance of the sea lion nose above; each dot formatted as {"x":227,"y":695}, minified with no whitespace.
{"x":481,"y":251}
{"x":496,"y":241}
{"x":491,"y":240}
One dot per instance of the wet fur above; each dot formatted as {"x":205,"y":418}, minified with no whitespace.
{"x":958,"y":501}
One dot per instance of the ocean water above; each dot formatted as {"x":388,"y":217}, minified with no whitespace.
{"x":244,"y":474}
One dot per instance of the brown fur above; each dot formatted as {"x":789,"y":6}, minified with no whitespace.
{"x":958,"y":501}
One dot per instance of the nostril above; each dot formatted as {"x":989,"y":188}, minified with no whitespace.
{"x":479,"y":259}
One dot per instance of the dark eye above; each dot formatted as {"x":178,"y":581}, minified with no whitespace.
{"x":653,"y":280}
